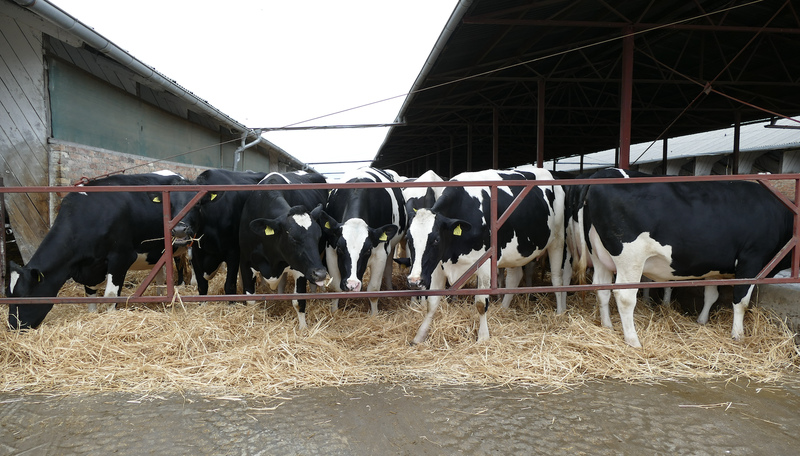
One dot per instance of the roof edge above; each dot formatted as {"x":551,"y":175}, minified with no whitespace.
{"x":64,"y":20}
{"x":455,"y":18}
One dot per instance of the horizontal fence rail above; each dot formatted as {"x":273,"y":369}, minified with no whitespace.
{"x":496,"y":221}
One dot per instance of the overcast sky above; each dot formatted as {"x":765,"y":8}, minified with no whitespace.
{"x":269,"y":63}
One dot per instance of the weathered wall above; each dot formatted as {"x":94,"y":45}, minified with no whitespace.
{"x":70,"y":162}
{"x":23,"y":124}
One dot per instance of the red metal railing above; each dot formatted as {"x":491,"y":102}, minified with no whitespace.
{"x":496,"y":220}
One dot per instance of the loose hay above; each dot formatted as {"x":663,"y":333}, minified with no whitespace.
{"x":220,"y":348}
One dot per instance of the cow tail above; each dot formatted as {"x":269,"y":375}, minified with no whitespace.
{"x":583,"y":244}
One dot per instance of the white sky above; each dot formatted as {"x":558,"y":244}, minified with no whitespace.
{"x":271,"y":63}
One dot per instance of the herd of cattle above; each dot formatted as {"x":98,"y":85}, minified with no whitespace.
{"x":664,"y":231}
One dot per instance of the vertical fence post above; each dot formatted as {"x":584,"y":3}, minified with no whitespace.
{"x":3,"y":240}
{"x":169,"y":262}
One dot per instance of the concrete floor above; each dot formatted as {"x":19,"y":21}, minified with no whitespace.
{"x":696,"y":418}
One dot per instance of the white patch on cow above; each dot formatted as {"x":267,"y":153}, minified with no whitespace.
{"x":419,"y":192}
{"x":355,"y":232}
{"x":14,"y":279}
{"x":303,"y":220}
{"x":165,"y":172}
{"x":511,"y":257}
{"x":281,"y":176}
{"x":421,"y":226}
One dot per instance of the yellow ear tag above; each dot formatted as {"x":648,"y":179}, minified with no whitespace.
{"x":328,"y":225}
{"x":156,"y":199}
{"x":415,"y":209}
{"x":41,"y":276}
{"x":269,"y":231}
{"x":457,"y":231}
{"x":213,"y":196}
{"x":383,"y":237}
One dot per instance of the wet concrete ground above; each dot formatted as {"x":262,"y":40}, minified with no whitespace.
{"x":696,"y":418}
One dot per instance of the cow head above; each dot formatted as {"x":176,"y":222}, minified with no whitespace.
{"x":352,"y":242}
{"x":421,"y":201}
{"x":429,"y":239}
{"x":185,"y":230}
{"x":27,"y":282}
{"x":296,"y":238}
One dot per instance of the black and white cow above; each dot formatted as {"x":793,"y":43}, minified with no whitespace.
{"x":679,"y":231}
{"x":214,"y":223}
{"x":446,"y":240}
{"x":279,"y":234}
{"x":96,"y":236}
{"x":362,"y":229}
{"x":417,"y":198}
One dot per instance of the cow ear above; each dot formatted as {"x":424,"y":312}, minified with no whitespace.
{"x":383,"y":234}
{"x":265,"y":227}
{"x":14,"y":267}
{"x":212,"y":196}
{"x":458,"y":227}
{"x":316,"y":212}
{"x":329,"y":224}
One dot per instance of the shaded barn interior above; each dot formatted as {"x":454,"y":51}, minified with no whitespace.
{"x":512,"y":82}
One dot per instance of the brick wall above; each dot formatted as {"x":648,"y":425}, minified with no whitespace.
{"x":69,"y":162}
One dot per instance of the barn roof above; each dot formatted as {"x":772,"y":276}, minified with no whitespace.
{"x":205,"y":114}
{"x":696,"y":66}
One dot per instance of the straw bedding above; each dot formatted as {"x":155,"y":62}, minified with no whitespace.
{"x":219,"y":348}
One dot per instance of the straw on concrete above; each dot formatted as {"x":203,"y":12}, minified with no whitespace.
{"x":219,"y":348}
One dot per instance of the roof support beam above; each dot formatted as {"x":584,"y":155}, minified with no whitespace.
{"x":638,"y":27}
{"x":540,"y":125}
{"x":626,"y":100}
{"x":495,"y":138}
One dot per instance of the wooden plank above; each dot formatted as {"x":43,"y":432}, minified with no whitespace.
{"x":23,"y":130}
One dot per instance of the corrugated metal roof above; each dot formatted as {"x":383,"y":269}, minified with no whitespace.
{"x":753,"y":137}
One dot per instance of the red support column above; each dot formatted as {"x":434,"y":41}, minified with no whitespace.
{"x":626,"y":100}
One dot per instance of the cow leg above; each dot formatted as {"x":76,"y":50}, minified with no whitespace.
{"x":528,"y":271}
{"x":378,"y":268}
{"x":710,"y":295}
{"x":282,"y":282}
{"x":667,"y":300}
{"x":91,"y":292}
{"x":332,"y":261}
{"x":741,"y":299}
{"x":513,"y":278}
{"x":248,"y":275}
{"x":626,"y":302}
{"x":437,"y":283}
{"x":555,"y":253}
{"x":482,"y":302}
{"x":387,"y":270}
{"x":231,"y":276}
{"x":198,"y":272}
{"x":603,"y":276}
{"x":113,"y":288}
{"x":300,"y":304}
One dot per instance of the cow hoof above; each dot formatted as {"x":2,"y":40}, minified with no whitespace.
{"x":633,"y":343}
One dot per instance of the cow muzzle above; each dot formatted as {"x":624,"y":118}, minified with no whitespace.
{"x":416,"y":283}
{"x":320,"y":277}
{"x":353,"y":285}
{"x":182,"y":234}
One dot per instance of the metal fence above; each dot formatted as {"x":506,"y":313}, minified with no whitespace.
{"x":496,"y":220}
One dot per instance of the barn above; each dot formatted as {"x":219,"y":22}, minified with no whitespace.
{"x":513,"y":82}
{"x":679,"y":88}
{"x":75,"y":105}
